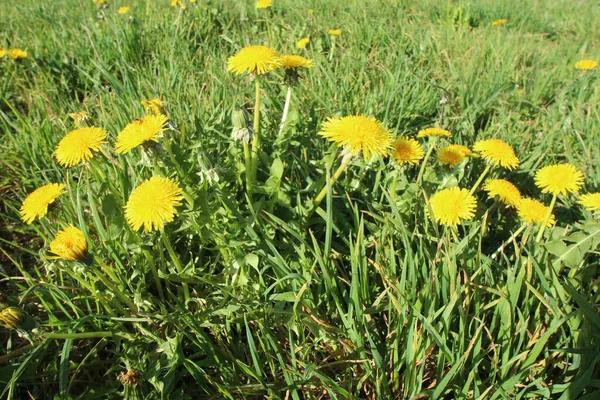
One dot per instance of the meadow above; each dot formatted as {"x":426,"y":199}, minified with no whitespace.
{"x":408,"y":210}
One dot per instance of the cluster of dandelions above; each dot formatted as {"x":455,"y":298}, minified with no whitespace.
{"x":14,"y":53}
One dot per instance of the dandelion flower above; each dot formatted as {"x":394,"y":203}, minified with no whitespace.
{"x":358,"y":133}
{"x":453,"y":155}
{"x":36,"y":204}
{"x":586,"y":64}
{"x":4,"y":52}
{"x":264,"y":3}
{"x":439,"y":132}
{"x":302,"y":43}
{"x":311,"y":11}
{"x":142,"y":130}
{"x":153,"y":106}
{"x":176,"y":3}
{"x":534,"y":212}
{"x":407,"y":151}
{"x":335,"y":32}
{"x":504,"y":190}
{"x":99,"y":2}
{"x":79,"y":117}
{"x":559,"y":179}
{"x":497,"y":152}
{"x":78,"y":146}
{"x":453,"y":205}
{"x":153,"y":203}
{"x":11,"y":317}
{"x":294,"y":62}
{"x":17,"y":54}
{"x":499,"y":22}
{"x":254,"y":60}
{"x":69,"y":244}
{"x":590,"y":201}
{"x":123,"y":10}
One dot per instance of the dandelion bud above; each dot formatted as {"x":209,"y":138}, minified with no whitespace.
{"x":239,"y":118}
{"x":12,"y":318}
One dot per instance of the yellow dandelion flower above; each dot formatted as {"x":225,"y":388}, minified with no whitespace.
{"x":99,"y":2}
{"x":559,"y":179}
{"x":335,"y":32}
{"x":586,"y":64}
{"x":497,"y":152}
{"x":293,"y":62}
{"x":79,"y":117}
{"x":264,"y":3}
{"x":176,"y":3}
{"x":3,"y":52}
{"x":123,"y":10}
{"x":11,"y":317}
{"x":153,"y":106}
{"x":453,"y":154}
{"x":452,"y":206}
{"x":311,"y":11}
{"x":438,"y":132}
{"x":590,"y":201}
{"x":142,"y":130}
{"x":302,"y":43}
{"x":504,"y":190}
{"x":153,"y":203}
{"x":254,"y":60}
{"x":69,"y":244}
{"x":499,"y":22}
{"x":36,"y":204}
{"x":77,"y":146}
{"x":534,"y":212}
{"x":17,"y":54}
{"x":407,"y":150}
{"x":357,"y":133}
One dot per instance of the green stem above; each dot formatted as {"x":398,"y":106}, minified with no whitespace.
{"x":117,"y":292}
{"x":248,"y":164}
{"x":332,"y":47}
{"x":286,"y":108}
{"x":175,"y":259}
{"x":509,"y":240}
{"x":481,"y":177}
{"x":157,"y":282}
{"x":546,"y":219}
{"x":85,"y":335}
{"x":334,"y":178}
{"x":431,"y":143}
{"x":256,"y":137}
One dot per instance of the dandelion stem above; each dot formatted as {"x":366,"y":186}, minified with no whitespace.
{"x":427,"y":155}
{"x":248,"y":164}
{"x":546,"y":219}
{"x":481,"y":178}
{"x":157,"y":282}
{"x":255,"y":138}
{"x":333,"y":179}
{"x":175,"y":259}
{"x":286,"y":108}
{"x":332,"y":47}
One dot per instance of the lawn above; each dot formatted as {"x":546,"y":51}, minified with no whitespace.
{"x":408,"y":210}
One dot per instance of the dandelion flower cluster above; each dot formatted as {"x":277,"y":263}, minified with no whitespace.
{"x":36,"y":204}
{"x":407,"y":151}
{"x":559,"y":179}
{"x":335,"y":32}
{"x":78,"y":146}
{"x":452,"y":206}
{"x":499,"y":22}
{"x":294,"y":62}
{"x":69,"y":244}
{"x":497,"y":152}
{"x":590,"y":201}
{"x":533,"y":212}
{"x":254,"y":60}
{"x":504,"y":190}
{"x":142,"y":130}
{"x":264,"y":3}
{"x":586,"y":65}
{"x":357,"y":134}
{"x":302,"y":43}
{"x":153,"y":203}
{"x":17,"y":54}
{"x":437,"y":132}
{"x":453,"y":154}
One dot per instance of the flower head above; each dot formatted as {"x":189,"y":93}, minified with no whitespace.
{"x":264,"y":3}
{"x":153,"y":106}
{"x":586,"y":64}
{"x":123,"y":10}
{"x":3,"y":52}
{"x":36,"y":204}
{"x":302,"y":43}
{"x":78,"y":146}
{"x":453,"y":154}
{"x":142,"y":130}
{"x":534,"y":212}
{"x":254,"y":60}
{"x":79,"y":117}
{"x":11,"y":317}
{"x":559,"y":179}
{"x":17,"y":54}
{"x":294,"y":62}
{"x":335,"y":32}
{"x":69,"y":244}
{"x":99,"y":2}
{"x":311,"y":11}
{"x":499,"y":22}
{"x":433,"y":132}
{"x":504,"y":190}
{"x":357,"y":133}
{"x":407,"y":150}
{"x":590,"y":201}
{"x":453,"y":205}
{"x":153,"y":203}
{"x":497,"y":152}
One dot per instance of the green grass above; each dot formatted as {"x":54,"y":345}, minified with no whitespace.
{"x":365,"y":298}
